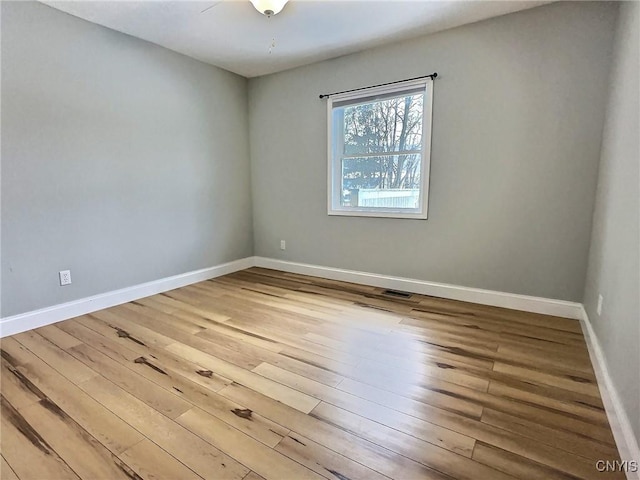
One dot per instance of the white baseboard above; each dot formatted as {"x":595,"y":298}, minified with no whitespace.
{"x":618,"y":419}
{"x":514,"y":301}
{"x":45,"y":316}
{"x":56,"y":313}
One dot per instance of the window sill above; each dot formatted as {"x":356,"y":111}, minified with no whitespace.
{"x":383,"y":214}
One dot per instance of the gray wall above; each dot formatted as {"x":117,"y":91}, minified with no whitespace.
{"x":518,"y":114}
{"x":614,"y":259}
{"x":121,"y":160}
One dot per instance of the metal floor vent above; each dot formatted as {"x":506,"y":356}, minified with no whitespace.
{"x":396,"y":293}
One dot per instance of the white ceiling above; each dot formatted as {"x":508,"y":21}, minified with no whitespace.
{"x":233,"y":35}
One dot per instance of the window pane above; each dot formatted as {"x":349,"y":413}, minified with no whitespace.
{"x":389,"y":125}
{"x":386,"y":181}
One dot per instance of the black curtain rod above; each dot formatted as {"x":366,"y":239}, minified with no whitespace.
{"x":327,"y":95}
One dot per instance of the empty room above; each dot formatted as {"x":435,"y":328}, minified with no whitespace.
{"x":343,"y":240}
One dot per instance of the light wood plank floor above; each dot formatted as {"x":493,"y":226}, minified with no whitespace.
{"x":264,"y":374}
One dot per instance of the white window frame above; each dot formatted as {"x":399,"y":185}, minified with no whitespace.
{"x":334,"y":175}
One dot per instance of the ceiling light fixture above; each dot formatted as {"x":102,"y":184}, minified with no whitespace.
{"x":269,"y":7}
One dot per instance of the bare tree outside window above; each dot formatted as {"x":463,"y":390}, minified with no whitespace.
{"x":378,"y":147}
{"x":385,"y":127}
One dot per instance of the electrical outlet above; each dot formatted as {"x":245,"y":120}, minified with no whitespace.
{"x":283,"y":245}
{"x":65,"y":277}
{"x":599,"y":307}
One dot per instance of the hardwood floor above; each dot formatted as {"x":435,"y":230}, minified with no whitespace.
{"x":264,"y":374}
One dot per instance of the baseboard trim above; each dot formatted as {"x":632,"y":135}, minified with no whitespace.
{"x":618,"y":419}
{"x":559,"y":308}
{"x":56,"y":313}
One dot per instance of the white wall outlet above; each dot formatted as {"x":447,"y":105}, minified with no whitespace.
{"x":283,"y":245}
{"x":599,"y":307}
{"x":65,"y":277}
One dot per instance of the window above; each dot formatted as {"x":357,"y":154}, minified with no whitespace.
{"x":379,"y":145}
